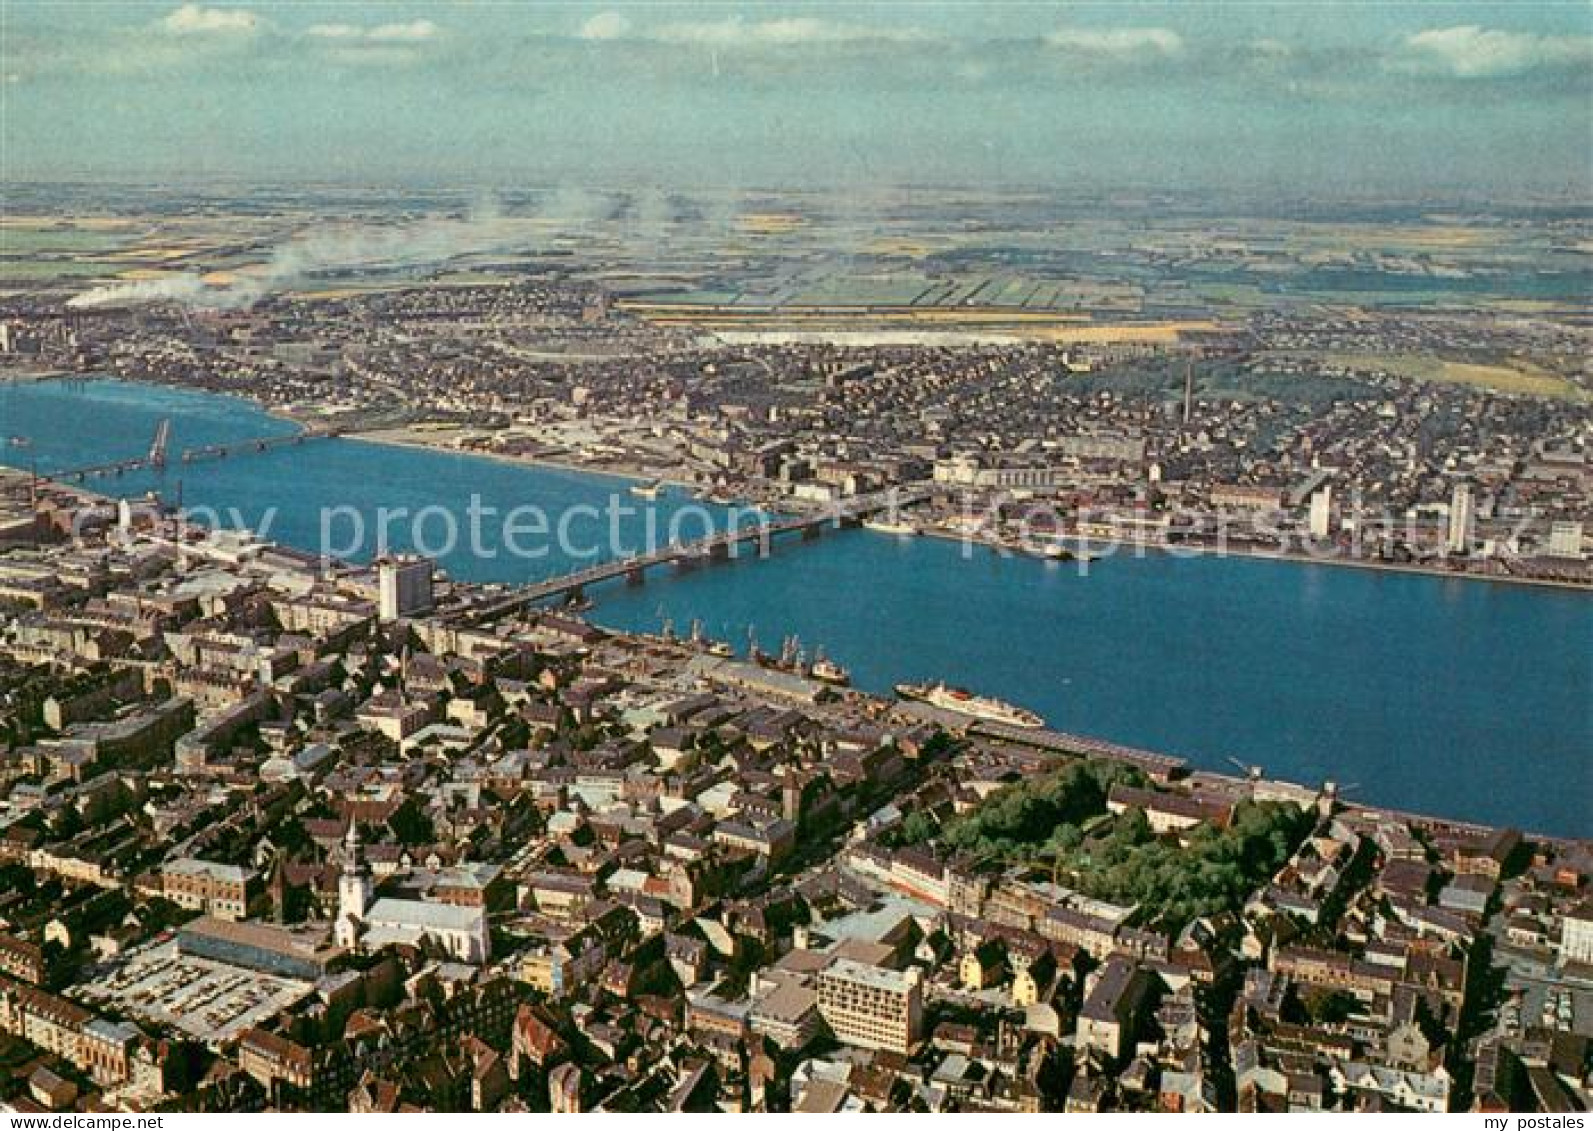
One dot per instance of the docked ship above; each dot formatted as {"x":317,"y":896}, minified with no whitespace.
{"x":886,"y":526}
{"x":826,"y":670}
{"x":649,"y":490}
{"x":1051,"y":552}
{"x":967,"y":703}
{"x":708,"y":644}
{"x":1056,"y":552}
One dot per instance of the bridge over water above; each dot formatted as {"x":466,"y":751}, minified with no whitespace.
{"x":722,"y":546}
{"x":156,"y":457}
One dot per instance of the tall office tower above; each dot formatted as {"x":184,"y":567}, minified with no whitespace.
{"x":1322,"y":512}
{"x":1461,"y":520}
{"x":403,"y":586}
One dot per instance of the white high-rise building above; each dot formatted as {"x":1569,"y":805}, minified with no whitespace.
{"x":1462,"y":520}
{"x":872,"y":1007}
{"x":403,"y":586}
{"x":1322,"y":512}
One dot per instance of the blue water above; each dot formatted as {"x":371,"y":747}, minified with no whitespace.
{"x":295,"y":494}
{"x":1460,"y":698}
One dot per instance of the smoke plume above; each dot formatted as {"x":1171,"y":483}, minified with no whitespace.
{"x":344,"y":247}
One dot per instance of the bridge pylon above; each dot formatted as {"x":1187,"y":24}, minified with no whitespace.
{"x":157,"y":447}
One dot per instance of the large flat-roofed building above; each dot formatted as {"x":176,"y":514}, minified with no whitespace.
{"x":787,"y":1014}
{"x":872,"y":1007}
{"x":285,"y":953}
{"x":1576,"y":934}
{"x":1321,"y":522}
{"x":1565,"y":540}
{"x":1245,"y":497}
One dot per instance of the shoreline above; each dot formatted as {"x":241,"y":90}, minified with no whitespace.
{"x":629,"y":474}
{"x":28,"y":376}
{"x":1191,"y":770}
{"x":1383,"y":567}
{"x":1110,"y":550}
{"x":946,"y":535}
{"x":633,"y":475}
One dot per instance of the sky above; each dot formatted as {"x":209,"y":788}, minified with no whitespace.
{"x":1354,"y":100}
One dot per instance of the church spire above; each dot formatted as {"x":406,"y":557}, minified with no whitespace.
{"x":354,"y":889}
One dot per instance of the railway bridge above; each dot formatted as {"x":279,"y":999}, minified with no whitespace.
{"x":156,"y":458}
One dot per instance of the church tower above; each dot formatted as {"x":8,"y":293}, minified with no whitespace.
{"x":353,"y":890}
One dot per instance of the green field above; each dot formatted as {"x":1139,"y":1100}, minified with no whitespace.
{"x":1507,"y":376}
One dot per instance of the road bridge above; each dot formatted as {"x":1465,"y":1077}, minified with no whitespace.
{"x":721,"y":546}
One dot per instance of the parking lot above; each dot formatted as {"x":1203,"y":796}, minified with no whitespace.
{"x":1542,"y":997}
{"x":211,"y":1001}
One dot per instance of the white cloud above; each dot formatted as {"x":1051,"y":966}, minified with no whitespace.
{"x":1470,"y":52}
{"x":385,"y":45}
{"x":606,"y":25}
{"x":191,"y":19}
{"x":335,"y":31}
{"x":1121,"y":42}
{"x":416,"y":32}
{"x":794,"y":31}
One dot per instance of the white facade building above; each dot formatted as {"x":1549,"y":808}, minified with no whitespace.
{"x":1322,"y":513}
{"x":403,"y":586}
{"x":1462,"y":520}
{"x":366,"y":925}
{"x":1565,"y":540}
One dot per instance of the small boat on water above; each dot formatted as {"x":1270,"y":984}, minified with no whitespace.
{"x":730,"y":501}
{"x":649,"y":490}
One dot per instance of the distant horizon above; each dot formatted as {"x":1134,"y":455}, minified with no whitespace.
{"x":1317,"y":101}
{"x":1194,"y":198}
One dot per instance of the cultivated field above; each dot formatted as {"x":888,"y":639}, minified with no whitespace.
{"x":1512,"y":376}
